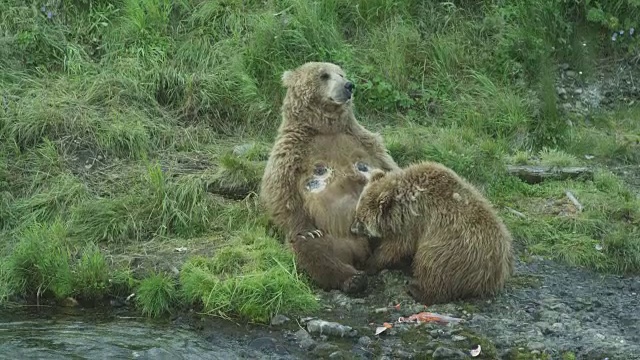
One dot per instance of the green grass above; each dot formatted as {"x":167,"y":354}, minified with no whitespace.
{"x":133,"y":136}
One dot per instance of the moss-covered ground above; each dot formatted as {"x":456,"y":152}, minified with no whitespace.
{"x":133,"y":134}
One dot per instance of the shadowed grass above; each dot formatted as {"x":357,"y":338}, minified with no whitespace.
{"x":236,"y":177}
{"x":156,"y":207}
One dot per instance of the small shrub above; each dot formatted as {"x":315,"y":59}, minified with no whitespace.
{"x":39,"y":263}
{"x":91,"y":278}
{"x":156,"y":295}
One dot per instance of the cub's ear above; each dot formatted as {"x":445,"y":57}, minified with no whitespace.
{"x":377,"y":174}
{"x":288,"y":78}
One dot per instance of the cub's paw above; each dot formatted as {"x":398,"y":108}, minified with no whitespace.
{"x":314,"y":234}
{"x":356,"y":284}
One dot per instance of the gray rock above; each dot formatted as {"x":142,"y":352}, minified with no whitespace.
{"x":536,"y":346}
{"x":325,"y":349}
{"x":336,"y":355}
{"x":458,"y":338}
{"x":564,"y":66}
{"x":446,"y":353}
{"x":401,"y":354}
{"x":240,"y":150}
{"x":330,"y":328}
{"x":305,"y":340}
{"x":279,"y":320}
{"x":571,"y":73}
{"x":365,"y":341}
{"x":268,"y":345}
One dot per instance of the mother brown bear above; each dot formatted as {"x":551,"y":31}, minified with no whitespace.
{"x":316,"y":171}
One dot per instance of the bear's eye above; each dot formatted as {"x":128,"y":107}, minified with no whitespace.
{"x":362,"y":167}
{"x":324,"y":76}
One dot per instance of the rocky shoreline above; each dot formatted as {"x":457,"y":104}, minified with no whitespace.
{"x":547,"y":311}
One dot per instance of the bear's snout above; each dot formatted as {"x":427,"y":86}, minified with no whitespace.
{"x":349,"y":86}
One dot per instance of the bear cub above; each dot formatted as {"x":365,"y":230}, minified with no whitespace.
{"x":458,"y":245}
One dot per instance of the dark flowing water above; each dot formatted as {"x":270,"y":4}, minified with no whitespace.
{"x":87,"y":335}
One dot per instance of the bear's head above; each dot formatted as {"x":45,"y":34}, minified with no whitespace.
{"x":373,"y":207}
{"x":319,"y":84}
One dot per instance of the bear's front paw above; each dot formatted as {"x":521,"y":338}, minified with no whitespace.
{"x":314,"y":234}
{"x":356,"y":284}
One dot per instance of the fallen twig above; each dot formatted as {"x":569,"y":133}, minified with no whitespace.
{"x":537,"y":174}
{"x":574,"y":201}
{"x":516,"y":212}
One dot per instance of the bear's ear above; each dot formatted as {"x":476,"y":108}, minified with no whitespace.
{"x":377,"y":174}
{"x":287,"y":78}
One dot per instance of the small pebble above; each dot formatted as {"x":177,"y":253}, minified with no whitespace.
{"x":365,"y":341}
{"x":279,"y":320}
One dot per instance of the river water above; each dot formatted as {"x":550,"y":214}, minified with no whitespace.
{"x":77,"y":334}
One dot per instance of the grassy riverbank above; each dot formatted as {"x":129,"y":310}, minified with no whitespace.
{"x":125,"y":125}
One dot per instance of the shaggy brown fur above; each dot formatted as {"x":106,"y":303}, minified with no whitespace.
{"x":316,"y":170}
{"x":460,"y":247}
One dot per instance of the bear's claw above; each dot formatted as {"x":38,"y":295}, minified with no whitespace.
{"x":356,"y":284}
{"x":311,"y":234}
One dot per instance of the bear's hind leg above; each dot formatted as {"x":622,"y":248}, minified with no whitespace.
{"x":317,"y":257}
{"x":430,"y":283}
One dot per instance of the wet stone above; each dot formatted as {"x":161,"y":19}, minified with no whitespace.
{"x":279,"y":320}
{"x":268,"y":345}
{"x":304,"y":339}
{"x":330,"y":328}
{"x":325,"y":349}
{"x":365,"y":341}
